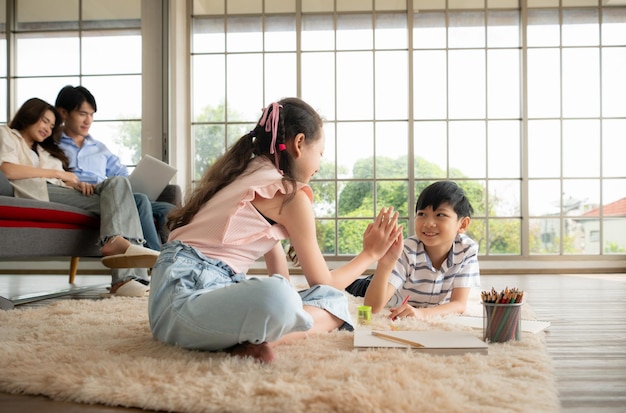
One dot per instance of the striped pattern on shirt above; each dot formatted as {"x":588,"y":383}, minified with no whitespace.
{"x":415,"y":275}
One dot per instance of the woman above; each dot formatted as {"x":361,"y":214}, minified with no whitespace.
{"x":34,"y":164}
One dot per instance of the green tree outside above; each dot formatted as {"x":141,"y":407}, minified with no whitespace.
{"x":129,"y":137}
{"x":353,"y":202}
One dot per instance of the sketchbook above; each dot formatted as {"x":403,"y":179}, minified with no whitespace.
{"x":530,"y":326}
{"x":432,"y":341}
{"x":151,"y":176}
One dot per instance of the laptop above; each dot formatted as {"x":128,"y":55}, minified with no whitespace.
{"x":151,"y":176}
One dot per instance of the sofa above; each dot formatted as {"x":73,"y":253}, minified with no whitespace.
{"x":32,"y":228}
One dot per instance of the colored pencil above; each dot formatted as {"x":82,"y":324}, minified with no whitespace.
{"x":397,"y":339}
{"x":406,"y":300}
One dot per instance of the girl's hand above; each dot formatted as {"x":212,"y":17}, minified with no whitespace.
{"x":382,"y":234}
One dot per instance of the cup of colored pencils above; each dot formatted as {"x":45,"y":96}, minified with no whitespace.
{"x":502,"y":315}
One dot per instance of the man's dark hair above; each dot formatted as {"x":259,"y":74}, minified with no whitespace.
{"x":72,"y":97}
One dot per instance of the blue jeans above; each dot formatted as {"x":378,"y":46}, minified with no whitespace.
{"x":152,"y":213}
{"x":160,"y":211}
{"x":200,"y":303}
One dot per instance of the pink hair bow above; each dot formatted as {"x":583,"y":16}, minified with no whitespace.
{"x":270,"y":121}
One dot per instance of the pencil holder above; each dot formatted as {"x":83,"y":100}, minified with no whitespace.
{"x":364,"y":313}
{"x":502,"y":322}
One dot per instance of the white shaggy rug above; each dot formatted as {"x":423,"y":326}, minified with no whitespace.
{"x":102,"y":352}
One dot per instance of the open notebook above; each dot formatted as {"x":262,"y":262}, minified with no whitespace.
{"x":151,"y":176}
{"x":432,"y":341}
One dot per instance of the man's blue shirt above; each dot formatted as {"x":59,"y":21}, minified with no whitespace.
{"x":94,"y":162}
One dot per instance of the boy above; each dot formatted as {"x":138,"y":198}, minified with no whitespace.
{"x":433,"y":272}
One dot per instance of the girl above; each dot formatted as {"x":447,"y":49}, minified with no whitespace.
{"x":255,"y":195}
{"x":34,"y":164}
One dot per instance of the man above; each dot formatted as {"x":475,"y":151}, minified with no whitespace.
{"x":93,"y":162}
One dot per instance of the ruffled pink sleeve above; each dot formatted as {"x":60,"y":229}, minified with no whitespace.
{"x":247,"y":225}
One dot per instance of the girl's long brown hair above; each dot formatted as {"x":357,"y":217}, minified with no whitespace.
{"x":30,"y":113}
{"x":296,"y":116}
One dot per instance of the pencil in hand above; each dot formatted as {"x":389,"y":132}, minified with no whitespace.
{"x":406,"y":300}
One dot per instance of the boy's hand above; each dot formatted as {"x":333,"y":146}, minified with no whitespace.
{"x":393,"y":253}
{"x":382,"y":233}
{"x":405,"y":310}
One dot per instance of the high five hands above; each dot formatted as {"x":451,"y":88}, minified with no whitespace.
{"x":382,"y":234}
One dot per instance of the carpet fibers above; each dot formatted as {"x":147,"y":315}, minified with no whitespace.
{"x":102,"y":352}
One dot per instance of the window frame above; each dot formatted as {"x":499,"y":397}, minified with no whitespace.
{"x":523,"y":217}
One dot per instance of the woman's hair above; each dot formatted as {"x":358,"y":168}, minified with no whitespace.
{"x":30,"y":113}
{"x":281,"y":122}
{"x":72,"y":97}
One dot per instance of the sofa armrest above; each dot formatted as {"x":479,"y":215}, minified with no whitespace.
{"x":6,"y":188}
{"x":172,"y":194}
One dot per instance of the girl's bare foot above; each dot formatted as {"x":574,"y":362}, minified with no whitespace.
{"x":260,"y":352}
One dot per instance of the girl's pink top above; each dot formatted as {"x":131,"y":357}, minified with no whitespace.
{"x":229,"y":228}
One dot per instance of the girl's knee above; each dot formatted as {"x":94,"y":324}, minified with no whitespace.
{"x":277,"y":293}
{"x":281,"y":304}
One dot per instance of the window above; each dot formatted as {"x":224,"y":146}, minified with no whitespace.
{"x":528,"y":125}
{"x":93,"y":43}
{"x":3,"y":63}
{"x":575,"y":112}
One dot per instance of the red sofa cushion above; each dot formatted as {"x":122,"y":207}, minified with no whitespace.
{"x":20,"y":216}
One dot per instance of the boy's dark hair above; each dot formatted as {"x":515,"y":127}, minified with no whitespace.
{"x":441,"y":192}
{"x":72,"y":97}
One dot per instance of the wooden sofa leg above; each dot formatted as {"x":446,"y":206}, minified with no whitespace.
{"x":73,"y":268}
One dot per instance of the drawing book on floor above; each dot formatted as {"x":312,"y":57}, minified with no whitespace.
{"x":531,"y":326}
{"x":434,"y":342}
{"x":151,"y":176}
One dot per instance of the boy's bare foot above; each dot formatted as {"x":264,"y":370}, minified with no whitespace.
{"x":260,"y":352}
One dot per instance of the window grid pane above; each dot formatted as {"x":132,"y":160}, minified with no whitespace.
{"x":4,"y":107}
{"x":535,"y":182}
{"x":101,"y":49}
